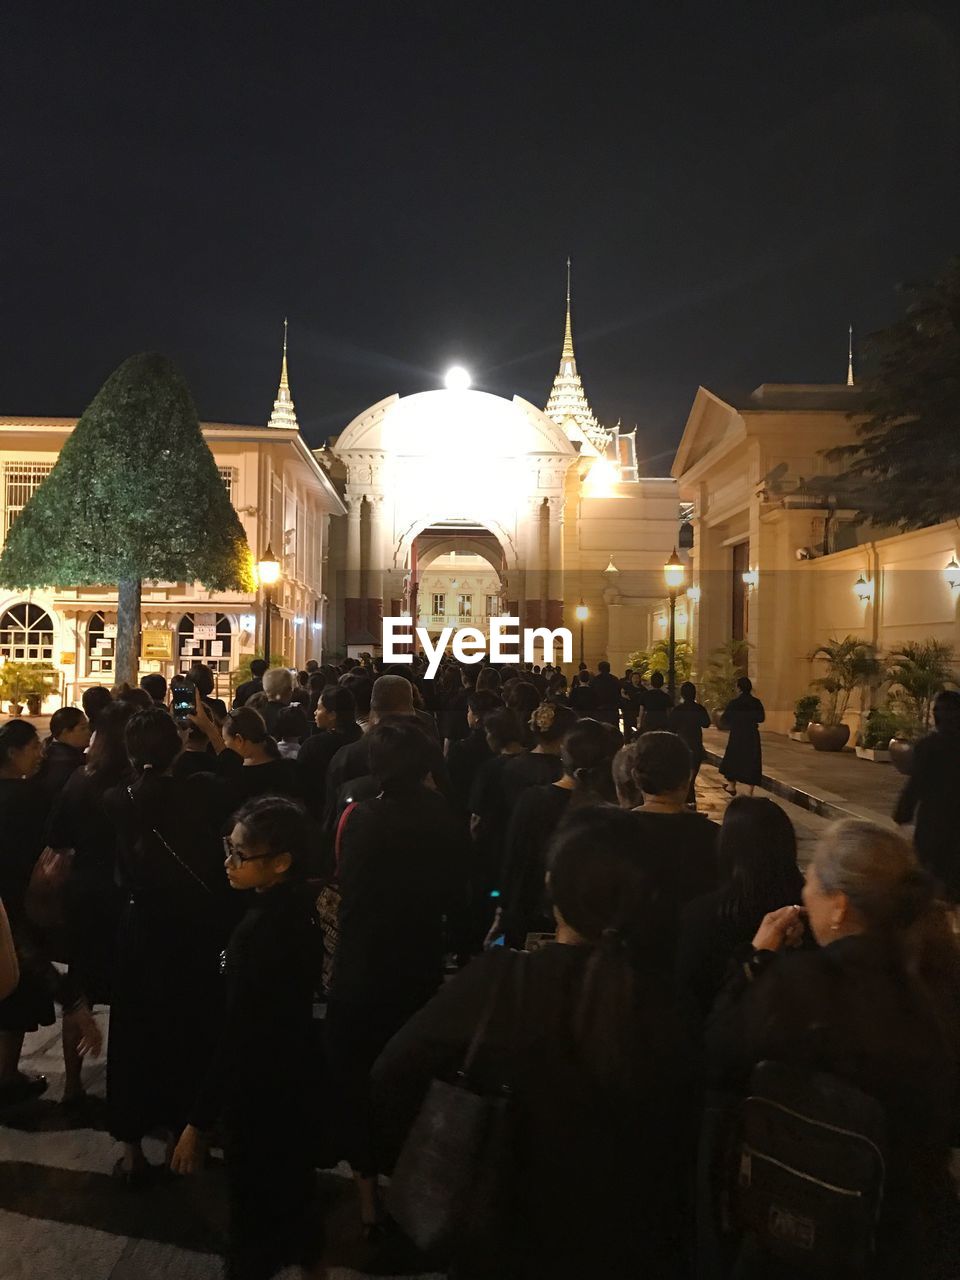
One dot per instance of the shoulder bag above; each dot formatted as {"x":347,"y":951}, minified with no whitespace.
{"x":328,"y":907}
{"x":450,"y":1191}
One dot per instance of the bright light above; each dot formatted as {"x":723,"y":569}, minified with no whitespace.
{"x":674,"y":571}
{"x":581,"y":613}
{"x":863,"y":589}
{"x":751,"y":577}
{"x":457,"y":379}
{"x":269,"y":568}
{"x":951,"y":573}
{"x":247,"y":622}
{"x":693,"y":595}
{"x":298,"y":622}
{"x":601,"y":477}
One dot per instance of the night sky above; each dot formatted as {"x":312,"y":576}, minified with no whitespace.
{"x":405,"y":181}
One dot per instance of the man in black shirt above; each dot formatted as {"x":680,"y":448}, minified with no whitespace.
{"x":606,"y":691}
{"x":251,"y":686}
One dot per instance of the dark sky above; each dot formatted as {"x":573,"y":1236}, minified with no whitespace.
{"x":405,"y":180}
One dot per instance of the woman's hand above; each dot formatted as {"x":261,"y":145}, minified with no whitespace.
{"x":778,"y":929}
{"x":89,"y":1037}
{"x":190,"y":1152}
{"x":204,"y":721}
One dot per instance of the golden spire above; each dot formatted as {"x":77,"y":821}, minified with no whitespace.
{"x":284,"y":414}
{"x":850,"y":356}
{"x":567,"y":353}
{"x":283,"y":364}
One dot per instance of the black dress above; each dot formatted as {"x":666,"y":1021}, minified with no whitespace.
{"x":742,"y":759}
{"x":657,"y":706}
{"x":529,"y":769}
{"x":402,"y":869}
{"x":314,"y":760}
{"x":59,"y":763}
{"x":464,"y":758}
{"x":261,"y":1082}
{"x":606,"y":691}
{"x":536,"y":816}
{"x":177,"y":915}
{"x":688,"y":721}
{"x":850,"y":1010}
{"x":597,"y":1167}
{"x":931,"y":794}
{"x":684,"y":846}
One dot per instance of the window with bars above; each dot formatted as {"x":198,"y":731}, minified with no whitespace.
{"x":493,"y":606}
{"x":21,"y":480}
{"x":100,"y":646}
{"x":439,"y":604}
{"x":26,"y":634}
{"x":229,"y":477}
{"x":465,"y":606}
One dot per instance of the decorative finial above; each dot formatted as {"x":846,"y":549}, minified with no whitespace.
{"x":568,"y":333}
{"x":284,"y":382}
{"x":284,"y":414}
{"x":850,"y":356}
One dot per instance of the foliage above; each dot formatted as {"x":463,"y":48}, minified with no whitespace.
{"x":20,"y":679}
{"x":135,"y":494}
{"x":805,"y":710}
{"x":907,"y":458}
{"x":717,"y":683}
{"x":850,"y":664}
{"x":243,"y":672}
{"x":882,"y":724}
{"x":917,"y":672}
{"x":657,"y":658}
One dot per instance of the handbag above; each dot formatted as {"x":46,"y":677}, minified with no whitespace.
{"x":451,"y":1183}
{"x":328,"y":908}
{"x":44,"y":898}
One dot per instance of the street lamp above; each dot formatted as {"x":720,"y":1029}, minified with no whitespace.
{"x":674,"y":572}
{"x":269,"y":571}
{"x":582,"y":613}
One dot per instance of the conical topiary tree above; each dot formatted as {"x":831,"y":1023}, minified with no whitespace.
{"x":135,"y":495}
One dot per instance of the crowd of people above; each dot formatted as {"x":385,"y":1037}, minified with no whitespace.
{"x":306,"y":910}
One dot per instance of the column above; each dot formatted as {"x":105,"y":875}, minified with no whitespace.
{"x":351,"y":603}
{"x":375,"y":574}
{"x":554,"y":604}
{"x":532,"y":564}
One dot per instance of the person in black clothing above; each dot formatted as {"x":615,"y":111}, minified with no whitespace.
{"x":466,"y":755}
{"x":92,"y":901}
{"x":875,"y":1003}
{"x":931,"y":793}
{"x":742,"y":760}
{"x":584,"y":1033}
{"x":260,"y":1080}
{"x":455,"y":724}
{"x":203,"y":678}
{"x":31,"y":1002}
{"x":93,"y":701}
{"x":549,"y":724}
{"x":253,"y":685}
{"x":631,"y":703}
{"x":154,"y":684}
{"x":582,"y":698}
{"x":656,"y":705}
{"x":586,"y":757}
{"x":523,"y":698}
{"x":489,"y":812}
{"x":167,"y":995}
{"x":336,"y":724}
{"x":392,"y":697}
{"x":402,"y":869}
{"x":757,"y":859}
{"x":606,"y":692}
{"x":247,"y":758}
{"x":63,"y":751}
{"x":684,"y":843}
{"x":688,"y":720}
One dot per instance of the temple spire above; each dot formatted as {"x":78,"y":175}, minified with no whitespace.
{"x":568,"y":332}
{"x":568,"y":405}
{"x":850,"y":356}
{"x":284,"y":414}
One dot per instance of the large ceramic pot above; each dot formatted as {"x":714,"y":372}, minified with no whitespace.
{"x":33,"y":704}
{"x":901,"y":754}
{"x":828,"y":737}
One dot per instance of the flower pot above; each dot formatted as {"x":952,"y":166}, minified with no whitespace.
{"x":878,"y":754}
{"x":16,"y":709}
{"x":901,"y":754}
{"x":798,"y":735}
{"x":828,"y":737}
{"x":33,"y":703}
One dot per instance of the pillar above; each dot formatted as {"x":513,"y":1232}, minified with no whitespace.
{"x":532,"y":564}
{"x":375,"y":570}
{"x":352,"y":604}
{"x":555,"y":593}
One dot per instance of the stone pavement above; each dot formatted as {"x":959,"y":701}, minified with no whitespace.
{"x":833,"y":784}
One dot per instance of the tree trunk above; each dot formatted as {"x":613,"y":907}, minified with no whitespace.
{"x":127,"y":662}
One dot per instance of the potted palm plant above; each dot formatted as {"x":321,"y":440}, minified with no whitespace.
{"x":805,"y":709}
{"x":717,"y":684}
{"x":850,"y":664}
{"x":13,"y":686}
{"x":917,"y":671}
{"x":40,"y":679}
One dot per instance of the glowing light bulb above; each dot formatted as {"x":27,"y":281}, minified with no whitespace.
{"x":457,"y":379}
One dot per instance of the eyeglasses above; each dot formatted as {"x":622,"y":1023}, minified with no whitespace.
{"x":237,"y":859}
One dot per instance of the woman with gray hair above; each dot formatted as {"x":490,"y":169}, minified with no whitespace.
{"x":877,"y":1004}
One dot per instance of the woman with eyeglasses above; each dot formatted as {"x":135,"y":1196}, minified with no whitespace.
{"x":271,"y":966}
{"x":176,"y":919}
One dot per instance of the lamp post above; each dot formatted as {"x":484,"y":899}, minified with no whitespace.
{"x":674,"y":572}
{"x":582,"y":613}
{"x":269,"y":571}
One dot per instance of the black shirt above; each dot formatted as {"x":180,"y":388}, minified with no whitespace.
{"x":314,"y":760}
{"x":688,"y":721}
{"x":686,"y":845}
{"x":247,"y":690}
{"x":531,"y":769}
{"x":656,"y":708}
{"x":536,"y":816}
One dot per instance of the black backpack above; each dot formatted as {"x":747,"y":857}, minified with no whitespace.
{"x":809,"y":1169}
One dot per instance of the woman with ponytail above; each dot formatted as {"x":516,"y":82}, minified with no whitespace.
{"x":247,"y":756}
{"x":587,"y":1040}
{"x":877,"y":1003}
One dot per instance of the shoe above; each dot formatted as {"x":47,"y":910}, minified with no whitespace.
{"x":21,"y":1089}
